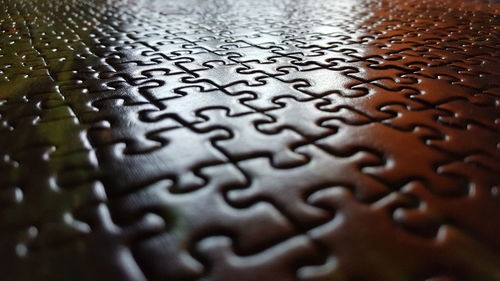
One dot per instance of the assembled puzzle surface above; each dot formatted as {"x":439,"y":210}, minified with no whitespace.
{"x":348,"y":140}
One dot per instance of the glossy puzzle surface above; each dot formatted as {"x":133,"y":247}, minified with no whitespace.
{"x":329,"y":140}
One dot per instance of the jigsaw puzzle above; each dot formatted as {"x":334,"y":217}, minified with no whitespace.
{"x":288,"y":140}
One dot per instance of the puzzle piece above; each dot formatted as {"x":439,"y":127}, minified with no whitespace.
{"x":244,"y":143}
{"x":182,"y":212}
{"x":174,"y":140}
{"x":264,"y":95}
{"x":183,"y":106}
{"x":348,"y":225}
{"x":281,"y":187}
{"x":369,"y":137}
{"x":321,"y":81}
{"x":281,"y":260}
{"x":221,"y":75}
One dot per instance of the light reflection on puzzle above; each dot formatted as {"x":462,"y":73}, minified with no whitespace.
{"x":243,"y":140}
